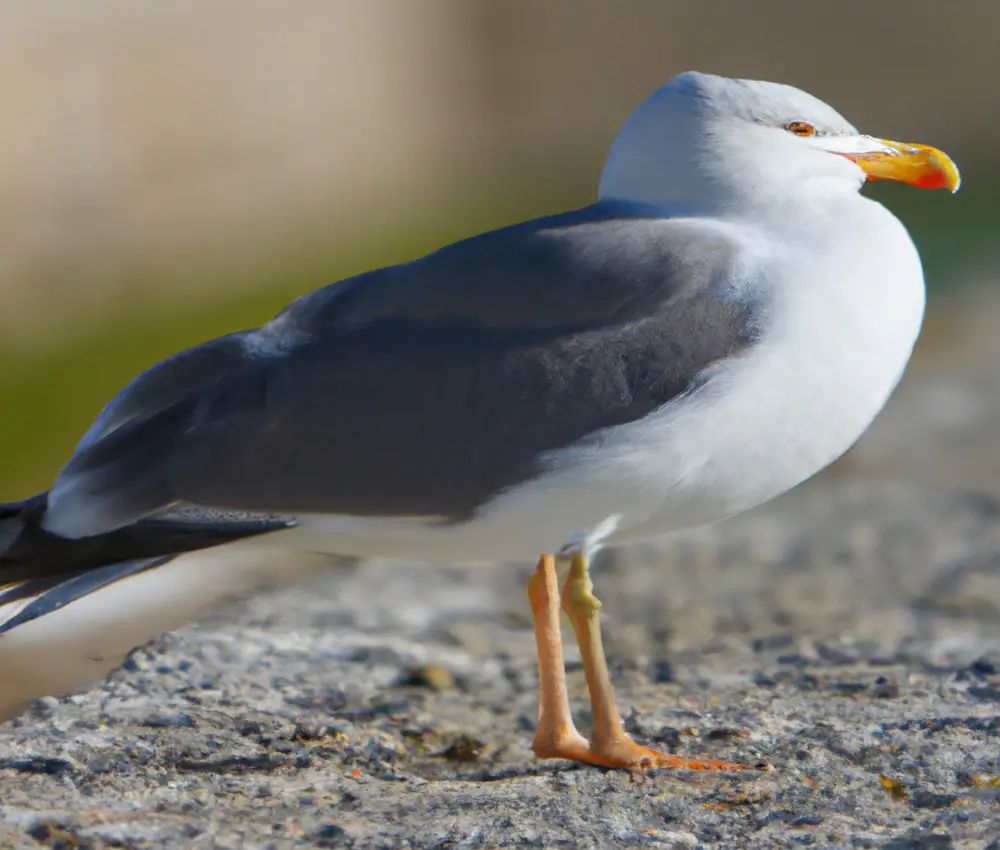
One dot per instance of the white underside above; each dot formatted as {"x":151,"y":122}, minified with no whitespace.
{"x":846,"y":298}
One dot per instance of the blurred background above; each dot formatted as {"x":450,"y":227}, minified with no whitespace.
{"x":174,"y":170}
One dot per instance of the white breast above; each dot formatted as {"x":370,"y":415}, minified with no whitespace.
{"x":846,"y":298}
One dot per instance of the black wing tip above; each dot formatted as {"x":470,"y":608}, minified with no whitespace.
{"x":54,"y":592}
{"x":34,"y":504}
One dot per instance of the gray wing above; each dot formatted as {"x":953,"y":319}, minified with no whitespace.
{"x":422,"y":389}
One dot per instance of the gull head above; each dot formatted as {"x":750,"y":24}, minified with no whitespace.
{"x":703,"y":141}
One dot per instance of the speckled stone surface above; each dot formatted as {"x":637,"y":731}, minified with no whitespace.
{"x":849,"y":635}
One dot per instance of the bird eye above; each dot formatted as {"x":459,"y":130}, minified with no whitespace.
{"x":801,"y":128}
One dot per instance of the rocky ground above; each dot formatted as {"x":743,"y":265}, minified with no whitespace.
{"x":849,"y":635}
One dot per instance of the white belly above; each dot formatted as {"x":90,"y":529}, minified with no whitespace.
{"x":841,"y":337}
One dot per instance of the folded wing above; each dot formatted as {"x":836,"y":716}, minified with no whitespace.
{"x":425,"y":388}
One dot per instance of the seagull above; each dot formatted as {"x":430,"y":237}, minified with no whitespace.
{"x":725,"y":320}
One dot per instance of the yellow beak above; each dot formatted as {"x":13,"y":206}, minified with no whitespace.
{"x":918,"y":165}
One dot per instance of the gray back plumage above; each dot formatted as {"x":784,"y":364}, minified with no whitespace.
{"x":424,"y":388}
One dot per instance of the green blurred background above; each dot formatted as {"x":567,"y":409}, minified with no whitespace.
{"x":177,"y":169}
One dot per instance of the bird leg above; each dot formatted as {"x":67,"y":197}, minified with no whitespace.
{"x":556,"y":736}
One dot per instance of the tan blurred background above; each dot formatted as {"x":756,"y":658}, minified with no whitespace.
{"x":175,"y":169}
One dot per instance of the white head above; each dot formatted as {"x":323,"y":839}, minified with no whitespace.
{"x":705,"y":140}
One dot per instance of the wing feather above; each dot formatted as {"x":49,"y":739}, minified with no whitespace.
{"x":425,"y":388}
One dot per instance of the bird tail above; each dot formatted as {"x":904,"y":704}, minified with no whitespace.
{"x":41,"y":572}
